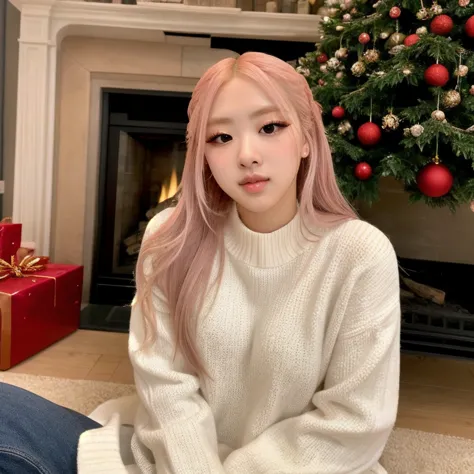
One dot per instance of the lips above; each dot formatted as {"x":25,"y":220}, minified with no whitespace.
{"x":252,"y":179}
{"x":254,"y":184}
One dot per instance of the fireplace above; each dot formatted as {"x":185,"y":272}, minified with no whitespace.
{"x":433,"y":325}
{"x":141,"y":162}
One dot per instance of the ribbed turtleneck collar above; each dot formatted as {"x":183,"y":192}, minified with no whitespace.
{"x":265,"y":249}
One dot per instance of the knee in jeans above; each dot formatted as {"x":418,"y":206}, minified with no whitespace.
{"x":15,"y":461}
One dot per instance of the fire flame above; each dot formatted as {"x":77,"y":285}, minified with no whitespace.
{"x":170,"y":187}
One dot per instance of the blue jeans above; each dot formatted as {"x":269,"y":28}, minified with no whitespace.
{"x":36,"y":435}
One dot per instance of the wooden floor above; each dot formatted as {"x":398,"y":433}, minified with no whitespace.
{"x":437,"y":394}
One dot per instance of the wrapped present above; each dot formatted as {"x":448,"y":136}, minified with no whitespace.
{"x":10,"y":238}
{"x":39,"y":305}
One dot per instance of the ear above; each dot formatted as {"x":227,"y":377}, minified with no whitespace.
{"x":305,"y":151}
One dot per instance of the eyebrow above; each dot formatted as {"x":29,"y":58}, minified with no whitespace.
{"x":257,"y":113}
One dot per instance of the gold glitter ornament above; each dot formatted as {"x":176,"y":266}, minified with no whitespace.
{"x":344,"y":127}
{"x":396,"y":49}
{"x":342,"y":53}
{"x":390,"y":122}
{"x":436,"y":9}
{"x":423,"y":14}
{"x":303,"y":70}
{"x":395,"y":39}
{"x":371,"y":56}
{"x":384,"y":35}
{"x":422,"y":30}
{"x":416,"y":130}
{"x":451,"y":99}
{"x":461,"y":71}
{"x":333,"y":64}
{"x":358,"y":68}
{"x":438,"y":115}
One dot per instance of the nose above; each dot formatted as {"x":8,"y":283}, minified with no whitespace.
{"x":249,"y":156}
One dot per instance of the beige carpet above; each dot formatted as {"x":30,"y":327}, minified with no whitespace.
{"x":408,"y":451}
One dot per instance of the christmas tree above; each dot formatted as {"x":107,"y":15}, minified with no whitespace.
{"x":393,"y":78}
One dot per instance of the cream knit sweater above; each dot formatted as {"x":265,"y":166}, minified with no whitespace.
{"x":302,"y":343}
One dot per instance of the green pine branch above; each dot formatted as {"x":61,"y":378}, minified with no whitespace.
{"x":396,"y":83}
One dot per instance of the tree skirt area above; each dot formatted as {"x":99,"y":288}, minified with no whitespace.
{"x":408,"y":451}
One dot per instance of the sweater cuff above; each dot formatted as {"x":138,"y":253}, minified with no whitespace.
{"x":99,"y":450}
{"x":193,"y":448}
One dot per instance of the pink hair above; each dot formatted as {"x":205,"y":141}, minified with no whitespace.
{"x":184,"y":248}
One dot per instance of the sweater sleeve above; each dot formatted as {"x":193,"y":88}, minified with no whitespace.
{"x":173,"y":423}
{"x":354,"y":412}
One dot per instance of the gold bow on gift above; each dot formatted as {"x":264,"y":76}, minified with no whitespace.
{"x":29,"y":264}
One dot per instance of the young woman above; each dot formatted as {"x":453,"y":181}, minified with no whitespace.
{"x":264,"y":334}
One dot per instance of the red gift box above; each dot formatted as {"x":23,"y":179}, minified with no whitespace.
{"x":10,"y":239}
{"x":37,"y":311}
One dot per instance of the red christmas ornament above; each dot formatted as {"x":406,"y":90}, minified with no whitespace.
{"x":364,"y":38}
{"x":369,"y":134}
{"x":437,"y":75}
{"x":410,"y":40}
{"x":338,"y":112}
{"x":322,"y":58}
{"x":395,"y":12}
{"x":363,"y":171}
{"x":469,"y":27}
{"x":441,"y":25}
{"x":435,"y":180}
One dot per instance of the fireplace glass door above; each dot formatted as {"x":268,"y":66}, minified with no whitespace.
{"x":148,"y":171}
{"x":141,"y":165}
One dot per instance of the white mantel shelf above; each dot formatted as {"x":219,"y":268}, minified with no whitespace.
{"x":43,"y":26}
{"x":175,"y":18}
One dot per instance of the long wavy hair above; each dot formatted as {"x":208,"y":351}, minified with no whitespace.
{"x":183,"y":250}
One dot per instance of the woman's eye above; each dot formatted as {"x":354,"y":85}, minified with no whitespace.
{"x":273,"y":127}
{"x":221,"y":138}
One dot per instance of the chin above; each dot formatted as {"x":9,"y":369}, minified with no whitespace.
{"x":256,"y":205}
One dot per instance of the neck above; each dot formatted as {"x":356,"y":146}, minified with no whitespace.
{"x":266,"y":249}
{"x":268,"y":221}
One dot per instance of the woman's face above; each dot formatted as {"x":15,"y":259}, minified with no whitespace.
{"x":253,"y":154}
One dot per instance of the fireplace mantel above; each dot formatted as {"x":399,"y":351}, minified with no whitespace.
{"x":45,"y":23}
{"x":108,"y":19}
